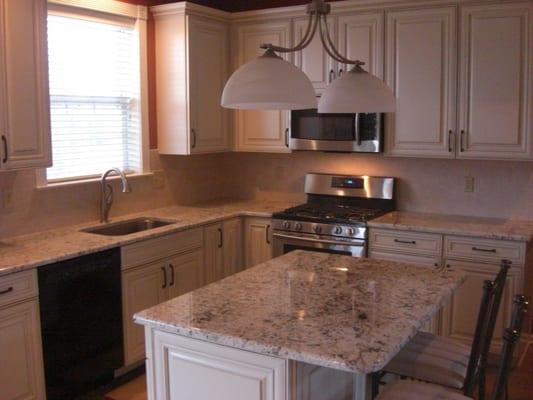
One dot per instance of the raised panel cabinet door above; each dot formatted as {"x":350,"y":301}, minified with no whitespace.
{"x":24,"y":102}
{"x":208,"y":72}
{"x":313,"y":382}
{"x":460,"y":315}
{"x":186,"y":272}
{"x":189,"y":369}
{"x":21,"y":374}
{"x":142,"y":288}
{"x":257,"y":241}
{"x":496,"y":84}
{"x":214,"y":253}
{"x":233,"y":246}
{"x":421,"y":69}
{"x":360,"y":37}
{"x":260,"y":130}
{"x":319,"y":67}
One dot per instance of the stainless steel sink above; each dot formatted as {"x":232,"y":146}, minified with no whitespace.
{"x":129,"y":226}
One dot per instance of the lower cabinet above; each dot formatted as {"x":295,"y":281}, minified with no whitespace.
{"x":223,"y":249}
{"x":257,"y":241}
{"x":21,"y":371}
{"x":150,"y":284}
{"x":184,"y":368}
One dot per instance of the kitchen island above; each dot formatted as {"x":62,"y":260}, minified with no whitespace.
{"x":240,"y":338}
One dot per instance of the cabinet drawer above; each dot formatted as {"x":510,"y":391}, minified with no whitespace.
{"x":406,"y":242}
{"x":431,"y":262}
{"x":161,"y":247}
{"x":484,"y":249}
{"x":17,"y":287}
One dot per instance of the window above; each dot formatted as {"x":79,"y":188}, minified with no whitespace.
{"x":94,"y":94}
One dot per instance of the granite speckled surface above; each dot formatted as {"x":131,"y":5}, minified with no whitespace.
{"x":489,"y":228}
{"x":347,"y":313}
{"x":30,"y":251}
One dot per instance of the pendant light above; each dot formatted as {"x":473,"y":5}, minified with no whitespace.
{"x":271,"y":83}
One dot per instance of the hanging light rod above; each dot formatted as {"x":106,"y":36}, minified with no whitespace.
{"x":270,"y":82}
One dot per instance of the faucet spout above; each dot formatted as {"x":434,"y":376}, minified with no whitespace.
{"x":106,"y":192}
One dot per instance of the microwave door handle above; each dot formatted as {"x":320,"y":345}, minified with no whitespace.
{"x":357,"y":133}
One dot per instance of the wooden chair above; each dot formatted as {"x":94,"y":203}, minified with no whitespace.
{"x":444,"y":361}
{"x":416,"y":390}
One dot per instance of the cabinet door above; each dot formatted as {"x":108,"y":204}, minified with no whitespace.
{"x":360,"y":37}
{"x":24,"y":102}
{"x":232,"y":246}
{"x":421,"y":64}
{"x":188,"y":369}
{"x":260,"y":130}
{"x":319,"y":67}
{"x":142,"y":288}
{"x":208,"y":72}
{"x":460,"y":315}
{"x":496,"y":88}
{"x":21,"y":375}
{"x":257,"y":241}
{"x":186,"y":272}
{"x":214,"y":253}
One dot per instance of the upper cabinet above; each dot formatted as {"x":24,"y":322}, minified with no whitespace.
{"x":192,"y":54}
{"x":24,"y":101}
{"x":496,"y":81}
{"x":421,"y":65}
{"x":258,"y":130}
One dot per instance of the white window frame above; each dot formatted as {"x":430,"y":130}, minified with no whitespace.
{"x":139,"y":15}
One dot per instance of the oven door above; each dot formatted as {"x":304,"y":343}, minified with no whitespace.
{"x":335,"y":132}
{"x":284,"y":243}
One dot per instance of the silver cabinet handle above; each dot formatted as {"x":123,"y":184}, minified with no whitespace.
{"x":6,"y":291}
{"x":171,"y":274}
{"x":450,"y":146}
{"x":164,"y":270}
{"x":287,"y":137}
{"x":268,"y":234}
{"x":462,"y":148}
{"x":193,"y":134}
{"x":4,"y":141}
{"x":220,"y":238}
{"x":312,"y":240}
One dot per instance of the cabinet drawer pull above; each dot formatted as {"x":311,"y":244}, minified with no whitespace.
{"x":5,"y":291}
{"x":462,"y":147}
{"x":268,"y":234}
{"x":4,"y":141}
{"x":287,"y":137}
{"x":171,"y":274}
{"x":484,"y":250}
{"x":405,"y":241}
{"x":450,"y":135}
{"x":220,"y":238}
{"x":193,"y":134}
{"x":164,"y":277}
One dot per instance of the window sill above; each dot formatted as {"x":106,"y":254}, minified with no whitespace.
{"x":90,"y":181}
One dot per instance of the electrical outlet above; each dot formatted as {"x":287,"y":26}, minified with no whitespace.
{"x":469,"y":184}
{"x":158,"y":180}
{"x":7,"y":199}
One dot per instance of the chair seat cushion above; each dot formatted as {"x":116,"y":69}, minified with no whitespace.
{"x":414,"y":390}
{"x":433,"y":359}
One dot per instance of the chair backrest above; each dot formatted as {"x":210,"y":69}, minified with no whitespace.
{"x":510,"y":338}
{"x":486,"y":322}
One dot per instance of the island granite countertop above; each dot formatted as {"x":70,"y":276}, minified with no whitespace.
{"x":347,"y":313}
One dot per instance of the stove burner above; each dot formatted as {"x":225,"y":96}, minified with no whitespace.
{"x":330,"y":213}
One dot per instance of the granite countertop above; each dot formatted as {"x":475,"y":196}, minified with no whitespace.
{"x":41,"y":248}
{"x":490,"y":228}
{"x":347,"y":313}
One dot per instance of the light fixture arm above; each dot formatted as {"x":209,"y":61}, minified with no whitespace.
{"x":317,"y":11}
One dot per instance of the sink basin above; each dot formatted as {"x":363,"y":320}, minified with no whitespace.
{"x":129,"y":226}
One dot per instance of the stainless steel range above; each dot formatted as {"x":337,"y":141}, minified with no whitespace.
{"x":334,"y":219}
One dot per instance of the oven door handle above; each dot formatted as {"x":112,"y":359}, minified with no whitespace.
{"x":338,"y":243}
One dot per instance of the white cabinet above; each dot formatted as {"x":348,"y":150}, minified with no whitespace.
{"x":257,"y":241}
{"x":223,"y":249}
{"x":421,"y":69}
{"x":192,"y":55}
{"x":22,"y":374}
{"x":181,"y":368}
{"x":496,"y":85}
{"x":24,"y":101}
{"x":259,"y":130}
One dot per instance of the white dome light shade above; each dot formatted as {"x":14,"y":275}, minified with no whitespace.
{"x":357,"y":92}
{"x":269,"y":83}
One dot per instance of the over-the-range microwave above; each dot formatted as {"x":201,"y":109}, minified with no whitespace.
{"x":310,"y":130}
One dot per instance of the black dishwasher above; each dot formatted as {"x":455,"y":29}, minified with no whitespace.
{"x":81,"y":322}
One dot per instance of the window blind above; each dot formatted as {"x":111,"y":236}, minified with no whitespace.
{"x":94,"y":91}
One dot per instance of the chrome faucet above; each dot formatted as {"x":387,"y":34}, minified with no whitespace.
{"x":106,"y":194}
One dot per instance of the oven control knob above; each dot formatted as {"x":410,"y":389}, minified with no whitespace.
{"x":351,"y":231}
{"x":298,"y":226}
{"x":338,"y":230}
{"x":286,"y":225}
{"x":317,"y":228}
